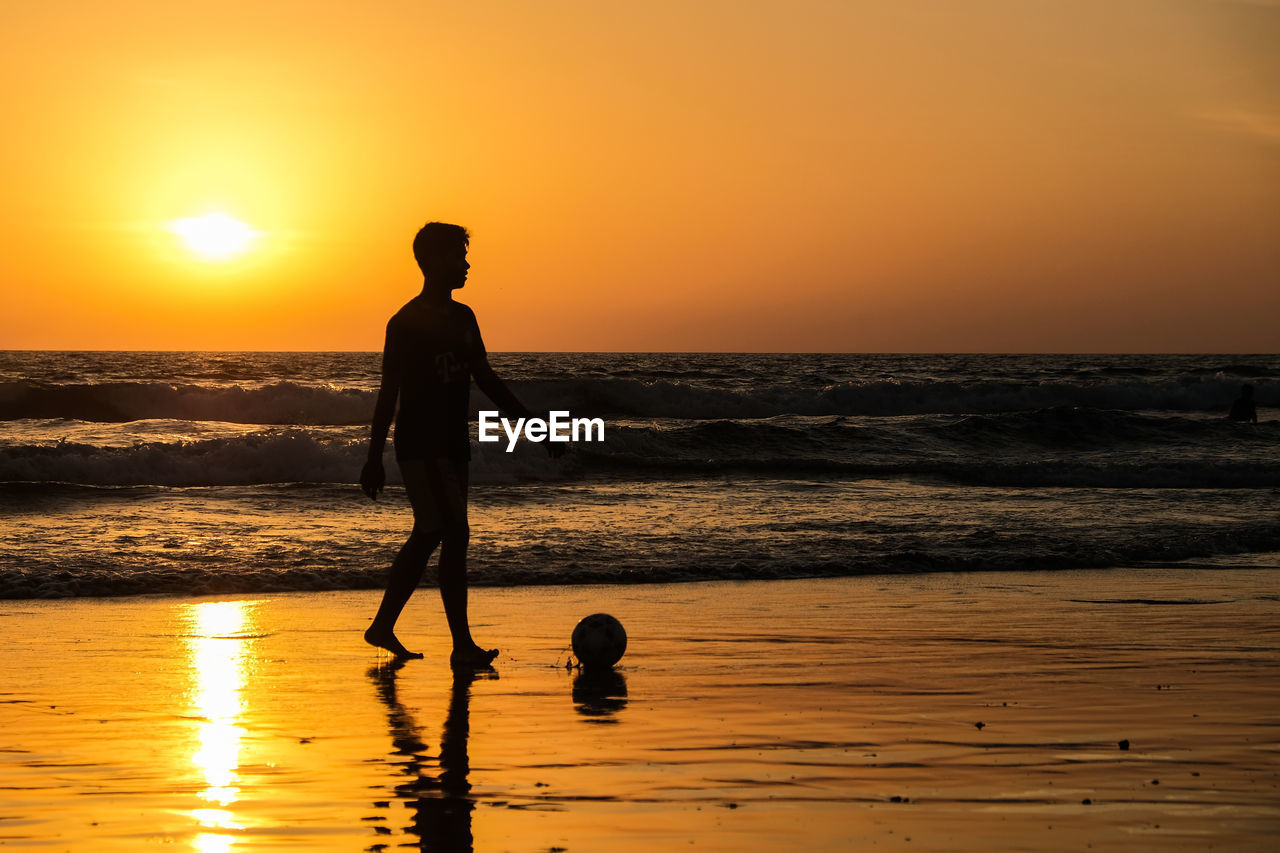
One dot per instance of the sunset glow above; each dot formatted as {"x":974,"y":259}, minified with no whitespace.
{"x":855,"y":176}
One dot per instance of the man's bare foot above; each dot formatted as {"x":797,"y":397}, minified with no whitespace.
{"x":472,"y":658}
{"x":385,"y":639}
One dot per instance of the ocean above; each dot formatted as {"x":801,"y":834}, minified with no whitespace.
{"x":227,"y":472}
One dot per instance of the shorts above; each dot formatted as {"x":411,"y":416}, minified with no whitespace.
{"x":437,"y":490}
{"x":414,"y":439}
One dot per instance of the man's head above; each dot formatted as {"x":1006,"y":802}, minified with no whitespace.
{"x":441,"y":252}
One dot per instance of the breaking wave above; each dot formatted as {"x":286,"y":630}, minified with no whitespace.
{"x":1051,"y":447}
{"x":289,"y":403}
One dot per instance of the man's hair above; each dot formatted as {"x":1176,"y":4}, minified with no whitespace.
{"x":436,"y":238}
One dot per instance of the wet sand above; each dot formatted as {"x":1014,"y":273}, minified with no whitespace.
{"x":947,"y":712}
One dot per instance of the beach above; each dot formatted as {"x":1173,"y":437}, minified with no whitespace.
{"x":904,"y":378}
{"x":962,"y":711}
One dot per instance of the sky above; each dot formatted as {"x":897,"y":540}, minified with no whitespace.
{"x":850,"y":176}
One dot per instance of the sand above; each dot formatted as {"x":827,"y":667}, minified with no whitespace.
{"x":946,"y":712}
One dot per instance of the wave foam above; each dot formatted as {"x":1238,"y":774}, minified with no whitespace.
{"x":1050,"y":448}
{"x":289,"y":403}
{"x":281,"y":403}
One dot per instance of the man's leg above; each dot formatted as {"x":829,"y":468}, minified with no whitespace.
{"x":453,"y":566}
{"x":411,"y":561}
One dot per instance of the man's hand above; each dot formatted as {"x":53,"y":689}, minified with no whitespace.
{"x":373,"y":478}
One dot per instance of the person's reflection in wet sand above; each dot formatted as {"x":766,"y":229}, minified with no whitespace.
{"x":599,"y":694}
{"x":441,"y":803}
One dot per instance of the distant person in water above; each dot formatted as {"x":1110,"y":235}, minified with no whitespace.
{"x":1244,"y":408}
{"x":432,"y":352}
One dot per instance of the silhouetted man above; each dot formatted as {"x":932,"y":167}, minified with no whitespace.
{"x":433,"y":350}
{"x":1244,"y":408}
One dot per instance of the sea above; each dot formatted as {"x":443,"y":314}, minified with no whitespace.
{"x":191,"y":473}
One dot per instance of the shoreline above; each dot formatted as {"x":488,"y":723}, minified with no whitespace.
{"x":823,"y":713}
{"x":374,"y":580}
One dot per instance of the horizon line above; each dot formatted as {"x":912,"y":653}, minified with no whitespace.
{"x":669,"y":352}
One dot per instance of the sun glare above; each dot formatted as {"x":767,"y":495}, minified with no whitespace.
{"x":214,"y":236}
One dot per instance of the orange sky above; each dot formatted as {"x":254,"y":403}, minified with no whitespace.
{"x":1053,"y":175}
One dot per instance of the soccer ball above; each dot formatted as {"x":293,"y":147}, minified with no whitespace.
{"x":599,"y":641}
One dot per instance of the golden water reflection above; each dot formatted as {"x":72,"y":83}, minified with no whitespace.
{"x":218,"y":633}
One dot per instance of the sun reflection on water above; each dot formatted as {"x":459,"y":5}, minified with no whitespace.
{"x":207,"y":842}
{"x":217,"y":637}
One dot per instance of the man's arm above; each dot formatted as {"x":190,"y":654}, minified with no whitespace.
{"x":497,"y":390}
{"x":373,"y":477}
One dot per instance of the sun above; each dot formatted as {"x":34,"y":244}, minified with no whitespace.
{"x":214,"y":236}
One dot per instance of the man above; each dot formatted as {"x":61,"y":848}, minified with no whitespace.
{"x":1244,"y":409}
{"x":433,"y":349}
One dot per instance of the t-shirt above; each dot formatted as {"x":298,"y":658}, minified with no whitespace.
{"x":431,"y":348}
